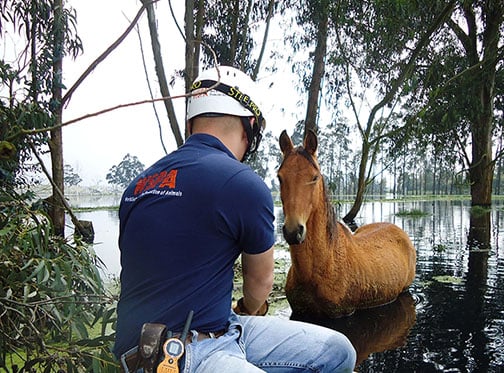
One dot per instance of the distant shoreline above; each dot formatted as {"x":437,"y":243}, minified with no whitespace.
{"x":71,"y":192}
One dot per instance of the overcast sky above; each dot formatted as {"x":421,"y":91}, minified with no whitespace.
{"x":93,"y":146}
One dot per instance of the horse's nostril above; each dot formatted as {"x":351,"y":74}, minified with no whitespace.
{"x":300,"y":233}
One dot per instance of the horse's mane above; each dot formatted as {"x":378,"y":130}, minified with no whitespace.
{"x":330,"y":213}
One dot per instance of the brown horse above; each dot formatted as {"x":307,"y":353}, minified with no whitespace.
{"x":333,"y":271}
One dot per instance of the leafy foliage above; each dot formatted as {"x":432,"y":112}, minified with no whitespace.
{"x":29,"y":79}
{"x":429,"y":71}
{"x":35,"y":22}
{"x":228,"y":30}
{"x":71,"y":177}
{"x":15,"y":146}
{"x":51,"y":295}
{"x":123,"y":173}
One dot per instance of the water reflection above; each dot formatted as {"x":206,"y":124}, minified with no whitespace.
{"x":376,"y":329}
{"x":458,"y":324}
{"x":106,"y":227}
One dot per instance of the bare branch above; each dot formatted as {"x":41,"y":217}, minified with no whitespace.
{"x":104,"y":55}
{"x":121,"y":106}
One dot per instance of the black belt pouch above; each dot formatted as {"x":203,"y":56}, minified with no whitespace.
{"x":151,"y":340}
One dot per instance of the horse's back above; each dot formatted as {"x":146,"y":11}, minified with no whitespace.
{"x":383,"y":235}
{"x":389,"y":245}
{"x":377,"y":228}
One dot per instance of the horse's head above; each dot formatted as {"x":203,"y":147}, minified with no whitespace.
{"x":301,"y":185}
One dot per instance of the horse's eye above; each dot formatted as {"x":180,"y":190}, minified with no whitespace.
{"x":313,"y":180}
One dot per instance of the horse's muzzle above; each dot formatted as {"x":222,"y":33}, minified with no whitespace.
{"x":296,"y":236}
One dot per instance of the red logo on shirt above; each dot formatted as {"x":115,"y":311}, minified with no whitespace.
{"x":159,"y":180}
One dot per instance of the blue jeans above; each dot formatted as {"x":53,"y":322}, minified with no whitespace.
{"x":270,"y":344}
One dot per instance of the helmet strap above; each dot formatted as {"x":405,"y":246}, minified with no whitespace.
{"x":253,"y":133}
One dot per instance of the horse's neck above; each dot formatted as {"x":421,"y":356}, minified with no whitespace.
{"x":321,"y":229}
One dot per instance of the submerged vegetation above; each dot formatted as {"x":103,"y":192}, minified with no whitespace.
{"x":413,"y":213}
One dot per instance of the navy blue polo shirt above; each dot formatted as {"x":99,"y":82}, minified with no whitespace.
{"x":183,"y":223}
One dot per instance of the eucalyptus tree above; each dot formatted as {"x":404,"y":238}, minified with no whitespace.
{"x":71,"y":178}
{"x":123,"y":173}
{"x":45,"y":31}
{"x":308,"y":35}
{"x":51,"y":292}
{"x":456,"y":93}
{"x":318,"y":15}
{"x":377,"y":47}
{"x":386,"y":53}
{"x":357,"y":55}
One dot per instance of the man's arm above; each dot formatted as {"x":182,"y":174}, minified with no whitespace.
{"x":257,"y":279}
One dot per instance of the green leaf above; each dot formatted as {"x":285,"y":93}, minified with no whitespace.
{"x":79,"y":327}
{"x":28,"y":264}
{"x":37,"y":270}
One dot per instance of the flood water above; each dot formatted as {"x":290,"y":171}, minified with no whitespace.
{"x":452,"y":320}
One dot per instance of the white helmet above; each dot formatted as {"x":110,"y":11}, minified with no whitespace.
{"x":234,"y":95}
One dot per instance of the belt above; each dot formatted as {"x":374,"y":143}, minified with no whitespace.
{"x":201,"y":336}
{"x":134,"y":360}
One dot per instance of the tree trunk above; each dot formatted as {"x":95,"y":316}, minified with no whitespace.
{"x":482,"y":166}
{"x":265,"y":39}
{"x":234,"y":35}
{"x":190,"y":46}
{"x":193,"y":33}
{"x":57,"y":210}
{"x":190,"y":72}
{"x":244,"y":31}
{"x":349,"y":218}
{"x":163,"y":85}
{"x":318,"y":72}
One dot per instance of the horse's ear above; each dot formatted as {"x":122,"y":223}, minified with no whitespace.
{"x":286,"y":144}
{"x":310,"y":142}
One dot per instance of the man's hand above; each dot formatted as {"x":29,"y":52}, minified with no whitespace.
{"x":240,"y":309}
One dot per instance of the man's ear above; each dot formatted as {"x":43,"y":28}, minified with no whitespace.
{"x":189,"y":126}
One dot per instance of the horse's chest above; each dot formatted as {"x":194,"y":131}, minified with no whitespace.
{"x":317,"y":295}
{"x":301,"y":298}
